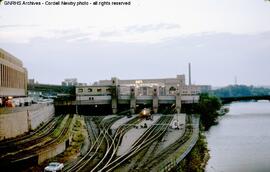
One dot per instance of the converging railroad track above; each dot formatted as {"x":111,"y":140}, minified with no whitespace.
{"x":18,"y":144}
{"x":154,"y":161}
{"x":150,"y":135}
{"x":29,"y":148}
{"x":114,"y":143}
{"x":102,"y":155}
{"x":98,"y":146}
{"x":105,"y":146}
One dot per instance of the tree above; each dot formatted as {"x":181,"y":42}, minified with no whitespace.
{"x":241,"y":91}
{"x":207,"y":108}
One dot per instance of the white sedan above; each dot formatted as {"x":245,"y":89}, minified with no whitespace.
{"x":54,"y":167}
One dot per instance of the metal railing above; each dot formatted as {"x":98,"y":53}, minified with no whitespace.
{"x":188,"y":146}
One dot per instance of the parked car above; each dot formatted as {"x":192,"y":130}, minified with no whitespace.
{"x":54,"y":167}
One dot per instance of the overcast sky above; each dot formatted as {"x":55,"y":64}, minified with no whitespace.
{"x":222,"y":39}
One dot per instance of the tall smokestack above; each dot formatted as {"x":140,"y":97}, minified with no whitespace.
{"x":189,"y":73}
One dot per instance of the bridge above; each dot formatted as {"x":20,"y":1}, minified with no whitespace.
{"x":47,"y":89}
{"x":115,"y":95}
{"x":103,"y":103}
{"x":226,"y":100}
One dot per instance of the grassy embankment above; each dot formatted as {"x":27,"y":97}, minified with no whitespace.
{"x":197,"y":159}
{"x":78,"y":133}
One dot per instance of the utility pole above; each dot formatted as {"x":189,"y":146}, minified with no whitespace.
{"x":189,"y":74}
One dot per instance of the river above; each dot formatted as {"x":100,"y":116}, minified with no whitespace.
{"x":241,"y":140}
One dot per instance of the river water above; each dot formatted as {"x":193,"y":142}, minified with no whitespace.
{"x":241,"y":140}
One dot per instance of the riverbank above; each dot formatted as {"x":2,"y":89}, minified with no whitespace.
{"x":209,"y":108}
{"x":197,"y":159}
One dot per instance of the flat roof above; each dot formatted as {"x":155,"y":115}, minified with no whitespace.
{"x":10,"y":58}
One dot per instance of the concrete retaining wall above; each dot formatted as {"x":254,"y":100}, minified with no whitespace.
{"x":58,"y":148}
{"x":12,"y":125}
{"x":41,"y":115}
{"x":17,"y":123}
{"x":52,"y":152}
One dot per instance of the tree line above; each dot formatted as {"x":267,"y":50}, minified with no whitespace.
{"x":241,"y":91}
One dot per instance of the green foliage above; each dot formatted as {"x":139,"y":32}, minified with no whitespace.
{"x":207,"y":108}
{"x":196,"y":160}
{"x":77,"y":124}
{"x":241,"y":91}
{"x":78,"y":138}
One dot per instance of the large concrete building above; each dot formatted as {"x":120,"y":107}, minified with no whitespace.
{"x":70,"y":82}
{"x":13,"y":76}
{"x":133,"y":93}
{"x":15,"y":121}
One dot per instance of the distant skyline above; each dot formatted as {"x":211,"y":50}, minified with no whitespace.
{"x":150,"y":39}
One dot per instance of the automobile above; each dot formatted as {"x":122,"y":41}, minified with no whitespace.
{"x":54,"y":167}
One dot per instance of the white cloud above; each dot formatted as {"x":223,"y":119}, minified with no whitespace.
{"x":144,"y":33}
{"x":146,"y":21}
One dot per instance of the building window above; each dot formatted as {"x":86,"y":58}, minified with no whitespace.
{"x":108,"y":90}
{"x":90,"y":90}
{"x":80,"y":90}
{"x":144,"y":91}
{"x":172,"y":90}
{"x":99,"y":90}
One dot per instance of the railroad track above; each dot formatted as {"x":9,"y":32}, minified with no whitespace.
{"x":38,"y":136}
{"x":99,"y":145}
{"x":45,"y":142}
{"x":163,"y":155}
{"x":27,"y":136}
{"x":100,"y":159}
{"x":105,"y":137}
{"x":150,"y":135}
{"x":114,"y":143}
{"x":92,"y":133}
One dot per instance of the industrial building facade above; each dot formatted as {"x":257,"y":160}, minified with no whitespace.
{"x":153,"y":92}
{"x":13,"y":76}
{"x":144,"y":87}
